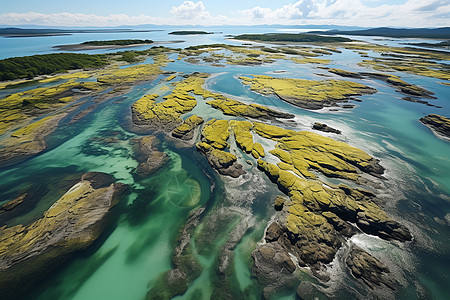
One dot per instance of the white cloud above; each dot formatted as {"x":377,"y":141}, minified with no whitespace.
{"x":69,"y":19}
{"x":190,"y":10}
{"x":412,"y":13}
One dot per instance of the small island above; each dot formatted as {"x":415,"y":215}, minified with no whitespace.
{"x":290,"y":37}
{"x":108,"y":44}
{"x":190,"y":32}
{"x":440,"y":125}
{"x":117,"y":42}
{"x":443,"y":44}
{"x":430,"y":33}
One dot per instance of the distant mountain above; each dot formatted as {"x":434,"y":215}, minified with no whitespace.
{"x":432,"y":33}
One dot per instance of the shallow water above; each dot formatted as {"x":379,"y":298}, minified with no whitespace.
{"x":128,"y":258}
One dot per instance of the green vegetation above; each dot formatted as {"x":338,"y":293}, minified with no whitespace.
{"x":31,"y":66}
{"x":444,"y":44}
{"x":117,"y":42}
{"x":436,"y":33}
{"x":188,"y":32}
{"x":290,"y":37}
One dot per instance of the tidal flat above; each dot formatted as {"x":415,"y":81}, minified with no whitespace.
{"x":228,"y":171}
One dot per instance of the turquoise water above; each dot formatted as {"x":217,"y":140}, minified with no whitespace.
{"x":136,"y":249}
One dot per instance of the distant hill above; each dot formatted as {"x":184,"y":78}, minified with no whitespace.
{"x":290,"y":37}
{"x":189,"y":32}
{"x":432,"y":33}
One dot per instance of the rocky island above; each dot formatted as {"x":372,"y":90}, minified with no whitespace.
{"x":309,"y":94}
{"x":438,"y":124}
{"x":71,"y":224}
{"x":108,"y":44}
{"x":190,"y":32}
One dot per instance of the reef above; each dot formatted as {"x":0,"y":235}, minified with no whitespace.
{"x":438,"y":124}
{"x":309,"y":94}
{"x":18,"y":107}
{"x":409,"y":65}
{"x":325,"y":128}
{"x":71,"y":224}
{"x":401,"y":85}
{"x":369,"y":269}
{"x":165,"y":115}
{"x":186,"y":267}
{"x":317,"y":218}
{"x":27,"y":141}
{"x":147,"y":154}
{"x":144,"y":72}
{"x":255,"y":111}
{"x":186,"y":130}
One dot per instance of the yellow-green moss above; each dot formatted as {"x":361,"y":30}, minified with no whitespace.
{"x":306,"y":93}
{"x":216,"y":133}
{"x":242,"y":135}
{"x":310,"y":60}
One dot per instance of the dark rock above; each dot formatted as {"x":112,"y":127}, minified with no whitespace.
{"x":273,"y":232}
{"x":308,"y":291}
{"x":339,"y":225}
{"x":271,"y":262}
{"x":235,"y":170}
{"x":369,"y":269}
{"x":98,"y":180}
{"x":10,"y":205}
{"x":147,"y":154}
{"x":279,"y":203}
{"x":170,"y":284}
{"x":186,"y":130}
{"x":325,"y":128}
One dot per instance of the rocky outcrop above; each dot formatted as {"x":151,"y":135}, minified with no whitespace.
{"x":215,"y":134}
{"x":71,"y":224}
{"x":224,"y":162}
{"x":147,"y":154}
{"x":325,"y":128}
{"x":438,"y":124}
{"x":29,"y":140}
{"x":402,"y":86}
{"x":304,"y":150}
{"x":186,"y":130}
{"x":270,"y":264}
{"x":309,"y":94}
{"x":165,"y":115}
{"x":318,"y":218}
{"x":368,"y":268}
{"x":255,"y":111}
{"x":279,"y":203}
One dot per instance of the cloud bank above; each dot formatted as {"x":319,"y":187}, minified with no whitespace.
{"x":412,"y":13}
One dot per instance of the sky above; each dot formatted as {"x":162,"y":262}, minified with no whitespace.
{"x":366,"y":13}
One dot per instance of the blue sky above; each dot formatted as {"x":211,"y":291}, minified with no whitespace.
{"x":406,"y":13}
